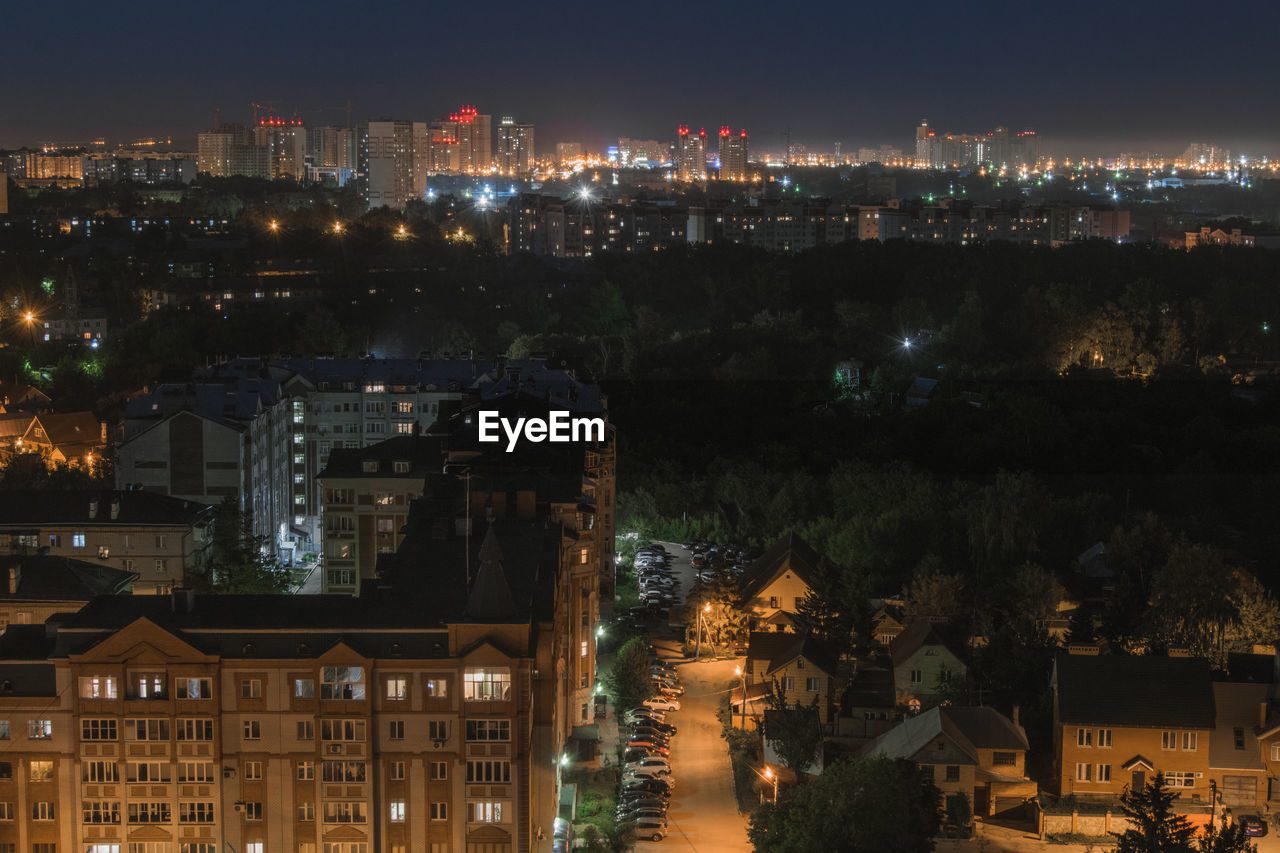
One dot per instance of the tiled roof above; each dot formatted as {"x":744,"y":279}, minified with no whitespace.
{"x":791,"y":552}
{"x":970,"y":729}
{"x":43,"y":577}
{"x":921,"y":632}
{"x":71,"y":428}
{"x":1143,"y":691}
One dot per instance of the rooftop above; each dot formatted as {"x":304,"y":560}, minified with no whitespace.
{"x":1141,"y":691}
{"x":33,"y":507}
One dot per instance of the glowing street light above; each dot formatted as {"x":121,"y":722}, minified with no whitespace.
{"x":274,"y":226}
{"x":337,"y":228}
{"x":697,"y":653}
{"x":742,"y":678}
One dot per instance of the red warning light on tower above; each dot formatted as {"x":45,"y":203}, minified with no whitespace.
{"x":724,"y":130}
{"x":683,"y":129}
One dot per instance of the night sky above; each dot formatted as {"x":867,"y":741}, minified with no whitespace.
{"x":1101,"y":77}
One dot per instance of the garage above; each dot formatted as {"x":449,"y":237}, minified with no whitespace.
{"x":1239,"y":790}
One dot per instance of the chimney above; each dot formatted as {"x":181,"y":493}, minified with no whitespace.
{"x":1263,"y":707}
{"x":182,"y":600}
{"x":15,"y":578}
{"x":1016,"y":711}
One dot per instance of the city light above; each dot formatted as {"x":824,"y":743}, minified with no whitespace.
{"x":337,"y":228}
{"x":274,"y":226}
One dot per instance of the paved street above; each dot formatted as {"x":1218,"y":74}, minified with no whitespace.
{"x":704,"y":814}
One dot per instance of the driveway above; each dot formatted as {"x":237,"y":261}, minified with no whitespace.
{"x":703,"y":815}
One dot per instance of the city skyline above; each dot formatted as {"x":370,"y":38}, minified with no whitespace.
{"x":860,"y":77}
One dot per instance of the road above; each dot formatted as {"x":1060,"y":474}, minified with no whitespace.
{"x":703,"y":815}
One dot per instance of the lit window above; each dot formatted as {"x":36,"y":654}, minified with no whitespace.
{"x":97,"y":687}
{"x":487,"y":683}
{"x":342,"y":682}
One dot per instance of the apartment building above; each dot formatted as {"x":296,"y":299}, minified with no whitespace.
{"x":367,"y":496}
{"x":190,"y":440}
{"x":426,"y":716}
{"x":157,"y":537}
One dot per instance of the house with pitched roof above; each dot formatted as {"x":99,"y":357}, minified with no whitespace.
{"x":1118,"y":720}
{"x":978,"y":752}
{"x":801,"y":667}
{"x":75,"y":438}
{"x":773,"y":587}
{"x":926,"y":659}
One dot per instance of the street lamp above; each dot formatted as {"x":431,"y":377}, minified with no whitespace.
{"x":768,"y":776}
{"x":742,"y":679}
{"x":697,"y":649}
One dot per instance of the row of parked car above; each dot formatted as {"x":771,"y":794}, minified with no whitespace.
{"x":657,"y":586}
{"x":647,"y":782}
{"x":706,"y":558}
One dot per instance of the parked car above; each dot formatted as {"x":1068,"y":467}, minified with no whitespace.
{"x":637,"y":814}
{"x":635,"y":754}
{"x":651,"y":745}
{"x":662,"y":703}
{"x":649,"y":722}
{"x":1254,"y":826}
{"x":652,"y":761}
{"x":647,"y":771}
{"x":654,"y":784}
{"x":651,"y":735}
{"x":646,"y":713}
{"x":642,"y":801}
{"x":651,"y":828}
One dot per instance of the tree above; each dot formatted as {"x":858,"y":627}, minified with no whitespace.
{"x":1192,"y":603}
{"x":794,"y":733}
{"x":959,"y":814}
{"x":237,"y":561}
{"x":834,"y":611}
{"x":628,"y":679}
{"x":934,"y":594}
{"x":878,"y":804}
{"x":1156,"y":827}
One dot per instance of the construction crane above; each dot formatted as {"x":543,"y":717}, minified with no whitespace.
{"x":269,"y":107}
